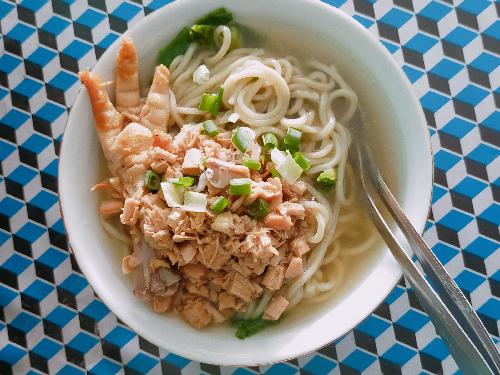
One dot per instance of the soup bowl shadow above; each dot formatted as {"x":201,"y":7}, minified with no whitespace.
{"x":397,"y":127}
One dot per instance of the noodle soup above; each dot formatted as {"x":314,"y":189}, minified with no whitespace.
{"x":265,"y":94}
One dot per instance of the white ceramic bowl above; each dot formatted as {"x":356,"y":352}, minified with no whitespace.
{"x":392,"y":112}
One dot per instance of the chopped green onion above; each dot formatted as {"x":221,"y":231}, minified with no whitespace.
{"x":210,"y":128}
{"x":152,"y":180}
{"x":195,"y":202}
{"x":218,"y":102}
{"x":172,"y":194}
{"x":207,"y":102}
{"x":251,"y":164}
{"x":292,"y":139}
{"x":219,"y":205}
{"x":270,"y":141}
{"x":240,"y":186}
{"x":242,"y":138}
{"x":182,"y":181}
{"x":327,"y":178}
{"x":211,"y":102}
{"x":258,"y":209}
{"x":275,"y":173}
{"x":286,"y":165}
{"x":301,"y":160}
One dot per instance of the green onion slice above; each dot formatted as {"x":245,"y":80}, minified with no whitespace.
{"x":210,"y":128}
{"x":207,"y":102}
{"x":211,"y":102}
{"x":287,"y":167}
{"x":219,"y":205}
{"x":240,"y":186}
{"x":242,"y":138}
{"x":218,"y":102}
{"x":194,"y":201}
{"x":292,"y":139}
{"x":182,"y":181}
{"x":258,"y":209}
{"x":327,"y":178}
{"x":270,"y":141}
{"x":301,"y":160}
{"x":251,"y":163}
{"x":152,"y":180}
{"x":173,"y":194}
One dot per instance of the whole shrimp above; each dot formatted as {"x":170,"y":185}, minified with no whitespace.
{"x":126,"y":148}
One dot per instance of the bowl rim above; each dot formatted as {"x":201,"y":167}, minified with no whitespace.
{"x":395,"y":276}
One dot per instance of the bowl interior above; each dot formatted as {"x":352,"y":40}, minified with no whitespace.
{"x":306,"y":29}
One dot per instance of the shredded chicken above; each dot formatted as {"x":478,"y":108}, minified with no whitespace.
{"x":204,"y":266}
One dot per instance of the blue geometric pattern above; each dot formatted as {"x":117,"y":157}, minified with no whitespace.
{"x":50,"y":319}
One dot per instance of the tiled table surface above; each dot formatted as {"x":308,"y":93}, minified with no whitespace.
{"x":50,"y":319}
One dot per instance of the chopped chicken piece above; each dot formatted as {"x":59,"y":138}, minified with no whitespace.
{"x":295,"y":268}
{"x":130,"y":213}
{"x":195,"y":271}
{"x":220,"y":172}
{"x":188,"y":137}
{"x":188,"y":251}
{"x":228,"y":301}
{"x":259,"y":244}
{"x":162,"y":304}
{"x":195,"y":312}
{"x":224,"y":139}
{"x":200,"y":290}
{"x":299,"y":246}
{"x":278,"y":222}
{"x":275,"y":308}
{"x":292,"y":209}
{"x":162,"y":140}
{"x":294,"y":191}
{"x":216,"y":315}
{"x":239,"y":285}
{"x":270,"y":191}
{"x":193,"y":162}
{"x":273,"y":278}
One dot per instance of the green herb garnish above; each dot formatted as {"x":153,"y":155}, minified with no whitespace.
{"x":248,"y":327}
{"x":201,"y":31}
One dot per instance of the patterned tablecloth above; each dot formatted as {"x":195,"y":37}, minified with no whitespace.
{"x":50,"y":319}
